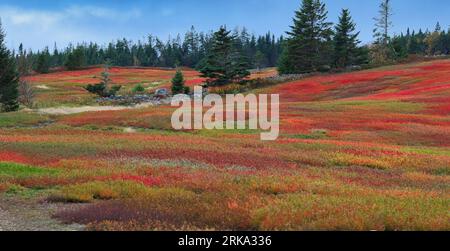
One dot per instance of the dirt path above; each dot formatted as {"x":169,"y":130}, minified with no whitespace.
{"x":5,"y":221}
{"x":75,"y":110}
{"x":31,"y":215}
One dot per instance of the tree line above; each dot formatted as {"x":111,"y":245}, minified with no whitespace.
{"x":189,"y":50}
{"x":430,"y":43}
{"x":312,"y":44}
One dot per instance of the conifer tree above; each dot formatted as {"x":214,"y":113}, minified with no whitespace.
{"x":260,"y":60}
{"x":178,"y":82}
{"x":308,"y":47}
{"x":75,"y":59}
{"x":105,"y":87}
{"x":345,"y":41}
{"x":43,"y":62}
{"x":23,"y":65}
{"x":224,"y":63}
{"x":9,"y":78}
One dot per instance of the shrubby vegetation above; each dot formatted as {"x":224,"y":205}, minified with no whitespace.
{"x":364,"y":150}
{"x":224,"y":57}
{"x":27,"y":94}
{"x":105,"y":87}
{"x":138,"y":88}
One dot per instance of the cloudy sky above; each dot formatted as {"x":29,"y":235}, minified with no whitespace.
{"x":39,"y":23}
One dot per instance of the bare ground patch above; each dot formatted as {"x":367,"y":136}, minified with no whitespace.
{"x":18,"y":214}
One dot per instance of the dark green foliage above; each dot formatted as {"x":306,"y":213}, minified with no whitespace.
{"x":138,"y":88}
{"x":75,"y":59}
{"x":306,"y":49}
{"x":260,"y":60}
{"x":98,"y":89}
{"x":309,"y":44}
{"x":188,"y":51}
{"x":104,"y":88}
{"x":422,"y":43}
{"x":102,"y":91}
{"x":400,"y":46}
{"x":9,"y":78}
{"x":362,"y":55}
{"x":178,"y":86}
{"x":345,"y":41}
{"x":43,"y":62}
{"x":23,"y":62}
{"x":224,"y":62}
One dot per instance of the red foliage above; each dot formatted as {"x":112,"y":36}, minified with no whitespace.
{"x":13,"y":157}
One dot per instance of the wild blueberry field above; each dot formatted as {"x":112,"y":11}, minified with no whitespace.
{"x":366,"y":150}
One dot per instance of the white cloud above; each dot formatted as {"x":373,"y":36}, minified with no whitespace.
{"x":38,"y":28}
{"x":19,"y":17}
{"x":100,"y":12}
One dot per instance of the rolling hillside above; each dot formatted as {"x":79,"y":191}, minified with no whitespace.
{"x":366,"y":150}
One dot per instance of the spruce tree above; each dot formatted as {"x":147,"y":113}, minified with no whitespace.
{"x":224,"y":63}
{"x":9,"y":78}
{"x":260,"y":60}
{"x":105,"y":87}
{"x":178,"y":86}
{"x":400,"y":46}
{"x":432,"y":41}
{"x":345,"y":41}
{"x":308,"y":47}
{"x":23,"y":65}
{"x":43,"y":62}
{"x":413,"y":44}
{"x":190,"y":51}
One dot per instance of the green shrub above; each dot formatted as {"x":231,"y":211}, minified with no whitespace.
{"x":138,"y":89}
{"x":102,"y":90}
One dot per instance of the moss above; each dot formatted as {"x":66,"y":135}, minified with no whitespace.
{"x":22,"y":171}
{"x":22,"y":119}
{"x":386,"y":106}
{"x":427,"y":150}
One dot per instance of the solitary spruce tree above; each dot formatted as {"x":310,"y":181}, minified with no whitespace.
{"x":224,"y":63}
{"x":178,"y":83}
{"x":309,"y":42}
{"x":9,"y":78}
{"x":345,"y":41}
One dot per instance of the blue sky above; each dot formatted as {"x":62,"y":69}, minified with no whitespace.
{"x":38,"y":23}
